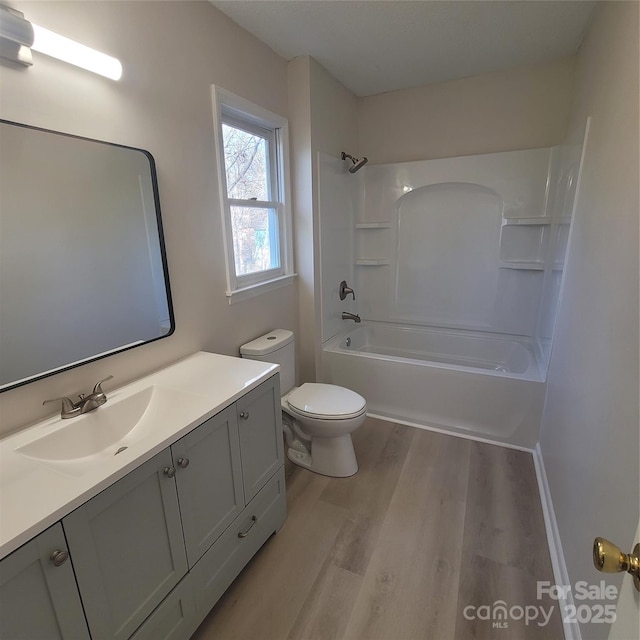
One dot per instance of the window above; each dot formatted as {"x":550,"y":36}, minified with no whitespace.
{"x":252,"y":146}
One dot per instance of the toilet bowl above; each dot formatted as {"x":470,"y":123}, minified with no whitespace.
{"x":318,"y":418}
{"x":323,"y":417}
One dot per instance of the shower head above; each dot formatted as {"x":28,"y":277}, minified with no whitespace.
{"x":357,"y":163}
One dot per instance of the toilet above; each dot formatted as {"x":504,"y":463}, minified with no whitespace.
{"x":318,"y":419}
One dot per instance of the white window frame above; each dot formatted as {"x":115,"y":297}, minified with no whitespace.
{"x":241,"y":113}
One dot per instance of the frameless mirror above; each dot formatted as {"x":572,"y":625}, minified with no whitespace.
{"x":83,"y":271}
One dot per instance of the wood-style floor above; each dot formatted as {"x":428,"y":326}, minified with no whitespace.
{"x":429,"y":526}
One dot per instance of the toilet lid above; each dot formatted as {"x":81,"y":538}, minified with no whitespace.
{"x":326,"y":400}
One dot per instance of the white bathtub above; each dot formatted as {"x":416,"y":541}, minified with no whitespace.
{"x":485,"y":385}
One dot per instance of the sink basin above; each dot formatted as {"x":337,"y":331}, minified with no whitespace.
{"x":110,"y":427}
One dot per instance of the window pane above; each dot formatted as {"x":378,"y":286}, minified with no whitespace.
{"x":246,"y":159}
{"x":255,"y":239}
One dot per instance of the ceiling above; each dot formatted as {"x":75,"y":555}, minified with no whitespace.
{"x":373,"y":46}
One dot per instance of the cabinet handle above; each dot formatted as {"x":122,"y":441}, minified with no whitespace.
{"x":244,"y":534}
{"x":169,"y":472}
{"x":244,"y":415}
{"x":183,"y":462}
{"x":59,"y":557}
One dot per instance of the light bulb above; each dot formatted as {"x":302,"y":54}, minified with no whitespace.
{"x":67,"y":50}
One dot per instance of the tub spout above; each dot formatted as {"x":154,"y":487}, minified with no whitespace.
{"x":350,"y":316}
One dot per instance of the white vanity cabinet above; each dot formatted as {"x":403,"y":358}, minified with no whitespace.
{"x":153,"y":552}
{"x":39,"y":598}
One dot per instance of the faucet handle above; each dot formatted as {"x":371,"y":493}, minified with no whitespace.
{"x":346,"y":290}
{"x":69,"y":408}
{"x":97,"y":389}
{"x":67,"y":403}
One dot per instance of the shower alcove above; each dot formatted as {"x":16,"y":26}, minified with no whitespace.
{"x":457,"y":265}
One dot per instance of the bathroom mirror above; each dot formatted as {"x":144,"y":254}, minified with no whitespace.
{"x":83,"y":270}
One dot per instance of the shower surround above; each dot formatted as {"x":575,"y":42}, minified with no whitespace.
{"x":457,"y":266}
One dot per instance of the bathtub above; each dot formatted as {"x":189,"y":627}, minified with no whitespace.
{"x":478,"y":384}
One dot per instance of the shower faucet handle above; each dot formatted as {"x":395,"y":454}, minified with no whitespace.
{"x":346,"y":290}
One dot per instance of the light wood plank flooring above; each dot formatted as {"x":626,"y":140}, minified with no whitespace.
{"x":429,"y":525}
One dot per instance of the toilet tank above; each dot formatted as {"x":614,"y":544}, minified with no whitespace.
{"x":278,"y":347}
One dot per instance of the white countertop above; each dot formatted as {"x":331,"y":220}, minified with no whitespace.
{"x":35,"y":494}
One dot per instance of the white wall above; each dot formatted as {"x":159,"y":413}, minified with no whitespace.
{"x":523,"y":108}
{"x":304,"y":225}
{"x":171,"y":53}
{"x":338,"y":196}
{"x":590,"y":438}
{"x":323,"y":119}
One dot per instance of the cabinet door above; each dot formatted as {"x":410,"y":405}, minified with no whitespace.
{"x":209,"y":479}
{"x":39,"y":600}
{"x":260,"y":426}
{"x":128,"y":548}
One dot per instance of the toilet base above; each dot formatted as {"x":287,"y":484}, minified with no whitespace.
{"x":333,"y":457}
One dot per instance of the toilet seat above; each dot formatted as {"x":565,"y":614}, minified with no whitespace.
{"x":326,"y":401}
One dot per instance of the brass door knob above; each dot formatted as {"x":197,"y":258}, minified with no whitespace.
{"x":609,"y":558}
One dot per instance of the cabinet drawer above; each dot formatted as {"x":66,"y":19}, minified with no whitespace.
{"x":217,"y":569}
{"x":175,"y":618}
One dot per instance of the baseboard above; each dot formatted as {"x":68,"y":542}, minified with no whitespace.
{"x":449,"y":432}
{"x":560,"y":572}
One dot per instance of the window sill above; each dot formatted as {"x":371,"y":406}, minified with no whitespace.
{"x":258,"y":289}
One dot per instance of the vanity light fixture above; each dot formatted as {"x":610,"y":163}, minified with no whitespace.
{"x":67,"y":50}
{"x":18,"y":37}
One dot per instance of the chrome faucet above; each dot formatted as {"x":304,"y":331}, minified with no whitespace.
{"x":84,"y":404}
{"x":350,"y":316}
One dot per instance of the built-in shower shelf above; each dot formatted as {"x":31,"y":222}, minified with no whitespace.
{"x":533,"y":265}
{"x":372,"y":262}
{"x":536,"y":220}
{"x":373,"y":225}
